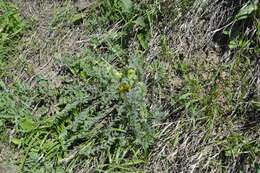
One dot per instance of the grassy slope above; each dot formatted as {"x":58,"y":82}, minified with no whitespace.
{"x":117,"y":88}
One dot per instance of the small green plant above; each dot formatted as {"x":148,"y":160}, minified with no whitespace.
{"x":11,"y":27}
{"x":248,"y":13}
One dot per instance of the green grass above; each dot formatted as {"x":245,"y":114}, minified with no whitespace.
{"x":127,"y":102}
{"x":11,"y":27}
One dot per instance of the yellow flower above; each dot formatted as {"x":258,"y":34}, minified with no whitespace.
{"x":118,"y":74}
{"x":131,"y":74}
{"x":124,"y":87}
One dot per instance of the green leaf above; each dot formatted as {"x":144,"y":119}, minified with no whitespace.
{"x":258,"y":29}
{"x":143,"y":41}
{"x":27,"y":125}
{"x":247,"y":10}
{"x":133,"y":162}
{"x":233,"y":44}
{"x":16,"y":141}
{"x":1,"y":123}
{"x":228,"y":153}
{"x":2,"y":85}
{"x":77,"y":17}
{"x":127,"y":5}
{"x":227,"y":31}
{"x":185,"y":96}
{"x":140,"y":21}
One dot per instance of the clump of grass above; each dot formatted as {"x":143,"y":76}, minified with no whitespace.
{"x":11,"y":27}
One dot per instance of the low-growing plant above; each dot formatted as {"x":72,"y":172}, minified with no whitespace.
{"x":11,"y":27}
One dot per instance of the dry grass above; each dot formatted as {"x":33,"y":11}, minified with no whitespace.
{"x":8,"y":159}
{"x":43,"y":49}
{"x":186,"y":143}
